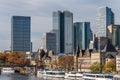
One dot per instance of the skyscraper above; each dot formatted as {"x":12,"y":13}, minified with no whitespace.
{"x":105,"y":18}
{"x":114,"y":34}
{"x":82,"y":35}
{"x":49,"y":41}
{"x":63,"y":27}
{"x":20,"y":33}
{"x":57,"y":24}
{"x":68,"y":32}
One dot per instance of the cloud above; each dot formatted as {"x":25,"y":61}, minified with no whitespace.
{"x":41,"y":15}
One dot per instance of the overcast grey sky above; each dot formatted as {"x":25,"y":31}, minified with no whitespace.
{"x":41,"y":15}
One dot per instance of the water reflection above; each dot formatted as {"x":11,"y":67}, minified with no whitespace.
{"x":23,"y":77}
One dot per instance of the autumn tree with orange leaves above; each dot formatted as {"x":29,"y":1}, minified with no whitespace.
{"x":66,"y":62}
{"x":14,"y":58}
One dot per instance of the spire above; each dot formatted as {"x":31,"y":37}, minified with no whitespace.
{"x":87,"y":53}
{"x":80,"y":53}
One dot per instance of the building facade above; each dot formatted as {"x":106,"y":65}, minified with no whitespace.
{"x":21,"y":33}
{"x":57,"y":24}
{"x":118,"y":62}
{"x":68,"y":32}
{"x":114,"y":34}
{"x":63,"y":28}
{"x":82,"y":61}
{"x":82,"y":35}
{"x":95,"y":57}
{"x":49,"y":41}
{"x":105,"y":18}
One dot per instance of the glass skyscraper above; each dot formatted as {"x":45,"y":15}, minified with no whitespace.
{"x":82,"y":35}
{"x":49,"y":41}
{"x":20,"y":33}
{"x":105,"y":18}
{"x":114,"y":34}
{"x":63,"y":27}
{"x":68,"y":32}
{"x":57,"y":24}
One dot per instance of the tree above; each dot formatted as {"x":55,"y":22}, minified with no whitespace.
{"x":66,"y":62}
{"x":3,"y":58}
{"x":14,"y":58}
{"x":110,"y":66}
{"x":96,"y":67}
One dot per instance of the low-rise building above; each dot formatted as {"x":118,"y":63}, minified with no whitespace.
{"x":118,"y":62}
{"x":82,"y":61}
{"x":84,"y":64}
{"x":54,"y":62}
{"x":95,"y":57}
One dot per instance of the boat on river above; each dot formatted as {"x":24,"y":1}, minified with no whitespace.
{"x":116,"y":77}
{"x":51,"y":73}
{"x":55,"y":73}
{"x":97,"y":76}
{"x":7,"y":70}
{"x":42,"y":72}
{"x":73,"y":75}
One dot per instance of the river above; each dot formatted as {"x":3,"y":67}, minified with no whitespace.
{"x":23,"y":77}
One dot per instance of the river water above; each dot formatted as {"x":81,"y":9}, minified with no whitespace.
{"x":24,"y":77}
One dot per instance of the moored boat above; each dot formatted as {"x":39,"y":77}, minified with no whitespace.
{"x":51,"y":73}
{"x":7,"y":70}
{"x":97,"y":76}
{"x":116,"y":77}
{"x":73,"y":75}
{"x":55,"y":73}
{"x":42,"y":72}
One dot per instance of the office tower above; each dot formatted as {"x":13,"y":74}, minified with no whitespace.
{"x":57,"y":24}
{"x":68,"y":32}
{"x":63,"y":27}
{"x":105,"y":18}
{"x":82,"y":35}
{"x":114,"y":34}
{"x":20,"y":33}
{"x":49,"y":41}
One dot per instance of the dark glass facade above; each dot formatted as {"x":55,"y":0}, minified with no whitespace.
{"x":58,"y":29}
{"x":49,"y":41}
{"x":116,"y":35}
{"x":20,"y":33}
{"x":63,"y":27}
{"x":82,"y":35}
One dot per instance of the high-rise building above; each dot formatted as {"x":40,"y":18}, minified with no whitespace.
{"x":114,"y":34}
{"x":105,"y":18}
{"x":57,"y":26}
{"x":63,"y":27}
{"x":49,"y":41}
{"x":68,"y":32}
{"x":20,"y":33}
{"x":82,"y":35}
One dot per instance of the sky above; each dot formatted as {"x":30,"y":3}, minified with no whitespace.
{"x":41,"y":15}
